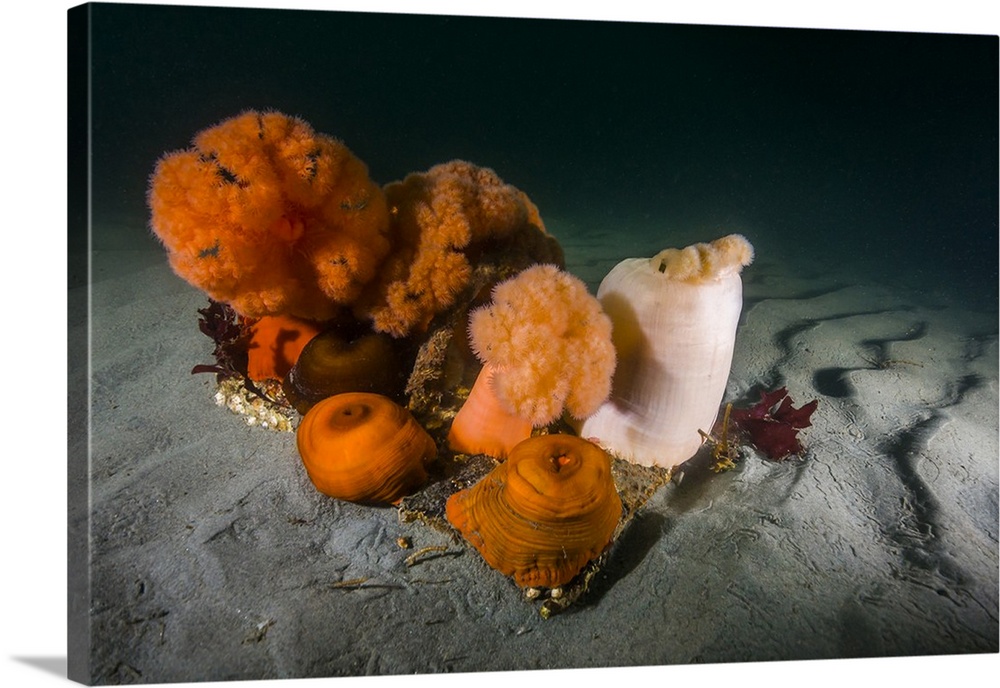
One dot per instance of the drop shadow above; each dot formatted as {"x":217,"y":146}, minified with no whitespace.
{"x":51,"y":665}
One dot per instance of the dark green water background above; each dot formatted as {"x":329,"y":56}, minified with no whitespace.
{"x":872,"y":150}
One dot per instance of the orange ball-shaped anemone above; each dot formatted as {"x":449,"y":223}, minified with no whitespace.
{"x":544,"y":513}
{"x":270,"y":217}
{"x":275,"y":345}
{"x":365,"y":448}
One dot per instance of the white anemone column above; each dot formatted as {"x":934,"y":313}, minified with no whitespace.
{"x":674,"y":318}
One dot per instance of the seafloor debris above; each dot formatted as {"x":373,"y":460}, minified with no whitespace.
{"x":880,"y":363}
{"x":234,"y":394}
{"x":723,"y":451}
{"x":425,"y":553}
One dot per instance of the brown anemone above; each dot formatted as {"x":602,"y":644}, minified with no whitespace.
{"x":364,"y":448}
{"x":545,"y":512}
{"x":332,"y":363}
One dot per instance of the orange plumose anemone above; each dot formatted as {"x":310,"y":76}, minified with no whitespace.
{"x":265,"y":214}
{"x":442,"y":222}
{"x":546,"y":349}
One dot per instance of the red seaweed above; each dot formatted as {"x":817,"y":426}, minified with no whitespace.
{"x":772,"y":425}
{"x":231,"y":334}
{"x":220,"y":322}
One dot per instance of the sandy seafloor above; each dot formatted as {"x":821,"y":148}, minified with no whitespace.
{"x":214,"y":558}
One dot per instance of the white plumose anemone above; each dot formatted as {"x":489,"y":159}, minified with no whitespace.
{"x":675,"y":318}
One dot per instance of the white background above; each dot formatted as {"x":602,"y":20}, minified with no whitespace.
{"x":33,"y":255}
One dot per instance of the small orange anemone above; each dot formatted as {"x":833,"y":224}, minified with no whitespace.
{"x":486,"y":426}
{"x":275,"y":345}
{"x":542,"y":515}
{"x":546,"y":347}
{"x":270,"y":217}
{"x":365,"y":448}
